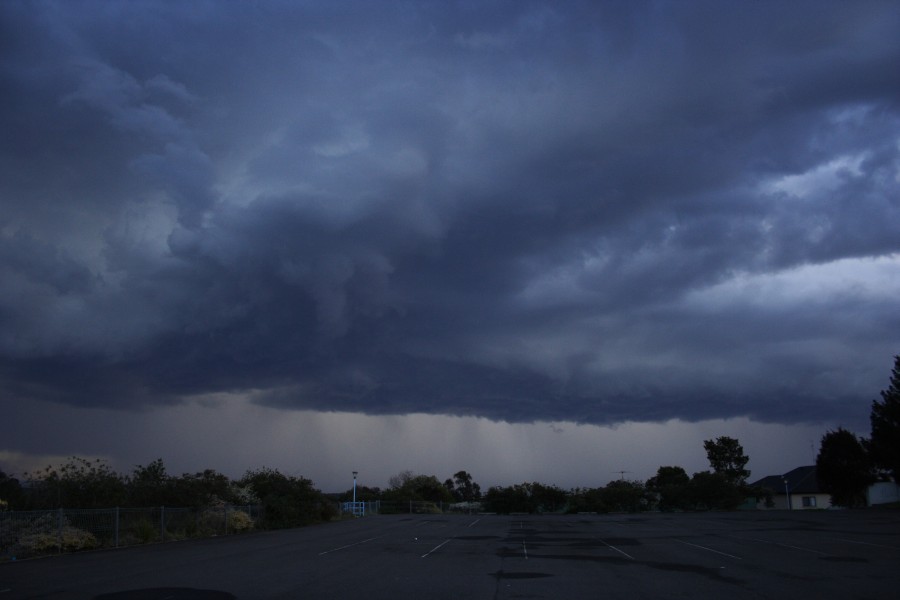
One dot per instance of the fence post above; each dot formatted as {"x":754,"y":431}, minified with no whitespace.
{"x":59,"y":528}
{"x":117,"y":527}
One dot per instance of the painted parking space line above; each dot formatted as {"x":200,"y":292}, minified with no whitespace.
{"x":709,"y":549}
{"x":473,"y":522}
{"x":622,"y":552}
{"x":436,"y":548}
{"x":810,"y":550}
{"x":347,"y":546}
{"x":867,"y":544}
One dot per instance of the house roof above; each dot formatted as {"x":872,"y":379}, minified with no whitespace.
{"x":801,"y":480}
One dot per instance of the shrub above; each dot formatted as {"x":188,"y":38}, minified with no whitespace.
{"x":240,"y":521}
{"x":71,"y":539}
{"x":145,"y":531}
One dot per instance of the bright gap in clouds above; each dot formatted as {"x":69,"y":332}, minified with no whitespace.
{"x":234,"y":435}
{"x":862,"y":279}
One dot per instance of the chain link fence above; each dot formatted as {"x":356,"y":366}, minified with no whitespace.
{"x":412,"y":507}
{"x":27,"y":534}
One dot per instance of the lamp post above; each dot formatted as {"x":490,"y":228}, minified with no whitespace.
{"x":787,"y":493}
{"x":354,"y":490}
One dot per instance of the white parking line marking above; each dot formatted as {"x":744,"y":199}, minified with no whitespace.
{"x":866,"y":543}
{"x":789,"y":546}
{"x":473,"y":522}
{"x":710,"y":550}
{"x":623,"y":553}
{"x":347,"y":546}
{"x":436,"y":547}
{"x":525,"y":550}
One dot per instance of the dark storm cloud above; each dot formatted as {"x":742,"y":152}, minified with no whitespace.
{"x":632,"y":211}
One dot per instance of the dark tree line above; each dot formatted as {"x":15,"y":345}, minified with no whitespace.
{"x":80,"y":483}
{"x":847,"y":464}
{"x":723,"y":488}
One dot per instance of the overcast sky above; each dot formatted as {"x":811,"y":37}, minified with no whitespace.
{"x":532,"y":240}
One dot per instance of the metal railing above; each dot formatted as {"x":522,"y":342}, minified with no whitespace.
{"x":413,"y":507}
{"x":26,"y":534}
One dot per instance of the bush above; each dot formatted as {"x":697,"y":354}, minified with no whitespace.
{"x":145,"y":531}
{"x":240,"y":521}
{"x":48,"y":540}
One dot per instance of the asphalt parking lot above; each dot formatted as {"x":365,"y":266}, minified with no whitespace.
{"x":777,"y":554}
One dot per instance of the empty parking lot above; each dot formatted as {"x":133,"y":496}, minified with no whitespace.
{"x":833,"y":554}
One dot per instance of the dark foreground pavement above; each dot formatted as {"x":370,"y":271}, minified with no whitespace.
{"x":834,"y":554}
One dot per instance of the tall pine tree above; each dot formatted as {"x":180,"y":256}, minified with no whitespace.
{"x":884,"y":447}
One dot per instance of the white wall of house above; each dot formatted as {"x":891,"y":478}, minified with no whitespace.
{"x":810,"y":501}
{"x":798,"y":502}
{"x":883,"y":492}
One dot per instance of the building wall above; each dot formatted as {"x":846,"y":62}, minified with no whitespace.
{"x":813,"y":502}
{"x":810,"y":501}
{"x":883,"y":492}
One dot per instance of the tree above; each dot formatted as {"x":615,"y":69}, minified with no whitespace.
{"x":843,"y":468}
{"x":78,"y":483}
{"x":625,"y":496}
{"x":884,"y":446}
{"x":714,"y":491}
{"x":463,"y":488}
{"x":363,"y":494}
{"x":526,"y":497}
{"x":548,"y":498}
{"x":510,"y":499}
{"x":398,"y":481}
{"x":206,"y":488}
{"x":726,"y":457}
{"x":671,"y":487}
{"x":586,"y":500}
{"x":10,"y":492}
{"x":424,"y":488}
{"x":287,"y":501}
{"x":151,"y":486}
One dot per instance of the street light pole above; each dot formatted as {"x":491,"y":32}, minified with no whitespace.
{"x":354,"y":490}
{"x":787,"y":494}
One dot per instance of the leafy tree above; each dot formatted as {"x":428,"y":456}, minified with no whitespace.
{"x":714,"y":491}
{"x":463,"y":488}
{"x":884,"y":445}
{"x":548,"y":498}
{"x":627,"y":496}
{"x":586,"y":500}
{"x":363,"y":494}
{"x":10,"y":492}
{"x":671,"y":486}
{"x":398,"y":481}
{"x":526,"y":497}
{"x":843,"y":468}
{"x":510,"y":499}
{"x":78,"y":483}
{"x":726,"y":457}
{"x":423,"y":488}
{"x":151,"y":486}
{"x":205,"y":488}
{"x":287,"y":501}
